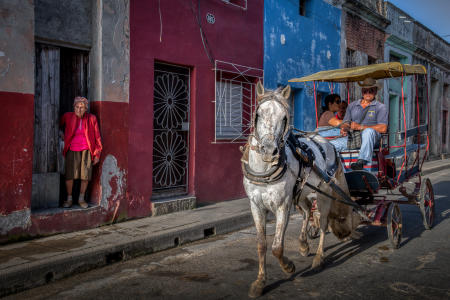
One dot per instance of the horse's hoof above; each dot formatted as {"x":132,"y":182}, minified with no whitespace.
{"x":317,"y":263}
{"x":304,"y":249}
{"x":290,"y":268}
{"x":256,"y":289}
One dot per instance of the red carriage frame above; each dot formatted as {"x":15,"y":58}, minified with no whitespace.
{"x":385,"y":190}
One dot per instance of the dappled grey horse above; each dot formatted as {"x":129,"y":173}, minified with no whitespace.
{"x":274,"y":175}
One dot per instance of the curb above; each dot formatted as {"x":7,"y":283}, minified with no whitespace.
{"x":32,"y":275}
{"x":435,"y":169}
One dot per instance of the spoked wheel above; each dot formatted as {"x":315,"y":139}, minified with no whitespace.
{"x":426,"y":203}
{"x":394,"y":225}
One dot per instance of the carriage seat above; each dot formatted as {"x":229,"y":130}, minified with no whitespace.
{"x":350,"y":156}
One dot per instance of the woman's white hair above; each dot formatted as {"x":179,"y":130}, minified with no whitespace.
{"x":82,"y":100}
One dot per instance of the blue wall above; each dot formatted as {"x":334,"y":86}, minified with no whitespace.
{"x":312,"y":44}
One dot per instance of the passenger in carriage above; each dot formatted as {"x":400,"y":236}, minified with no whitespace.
{"x":328,"y":122}
{"x":342,"y":109}
{"x":372,"y":122}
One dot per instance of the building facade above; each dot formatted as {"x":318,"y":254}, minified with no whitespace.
{"x":301,"y":38}
{"x":434,"y":53}
{"x":55,"y":56}
{"x":170,"y":82}
{"x":399,"y":47}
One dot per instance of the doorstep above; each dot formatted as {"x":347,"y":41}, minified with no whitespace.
{"x":171,"y":205}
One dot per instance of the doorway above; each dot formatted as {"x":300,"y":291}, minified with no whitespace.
{"x":60,"y":75}
{"x":170,"y":130}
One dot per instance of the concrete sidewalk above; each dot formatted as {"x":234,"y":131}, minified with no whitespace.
{"x":29,"y":264}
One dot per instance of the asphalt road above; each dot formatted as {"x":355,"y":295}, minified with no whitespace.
{"x":223,"y":267}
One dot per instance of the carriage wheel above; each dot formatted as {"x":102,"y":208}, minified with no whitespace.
{"x":426,"y":203}
{"x":394,"y":225}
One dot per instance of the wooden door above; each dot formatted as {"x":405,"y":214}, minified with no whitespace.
{"x":60,"y":75}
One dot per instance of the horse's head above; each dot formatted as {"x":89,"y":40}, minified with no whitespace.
{"x":271,"y":121}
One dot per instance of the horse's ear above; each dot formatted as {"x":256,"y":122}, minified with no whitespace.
{"x":259,"y":90}
{"x":286,"y":92}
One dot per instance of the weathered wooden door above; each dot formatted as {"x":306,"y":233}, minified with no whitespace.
{"x":171,"y":130}
{"x":60,"y":75}
{"x":46,"y":179}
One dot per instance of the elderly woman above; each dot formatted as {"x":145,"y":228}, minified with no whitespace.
{"x":82,"y":148}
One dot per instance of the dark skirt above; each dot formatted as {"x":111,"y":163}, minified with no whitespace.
{"x":78,"y":165}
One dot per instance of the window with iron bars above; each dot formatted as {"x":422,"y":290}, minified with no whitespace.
{"x":235,"y":101}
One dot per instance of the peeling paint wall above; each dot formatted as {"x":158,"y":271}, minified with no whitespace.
{"x":174,"y":37}
{"x":103,"y":28}
{"x":16,"y":98}
{"x":296,"y":46}
{"x":20,"y":219}
{"x":398,"y":27}
{"x":434,"y":53}
{"x":112,"y":182}
{"x":110,"y":53}
{"x":400,"y":45}
{"x":16,"y":32}
{"x":116,"y":50}
{"x":109,"y":92}
{"x":64,"y":21}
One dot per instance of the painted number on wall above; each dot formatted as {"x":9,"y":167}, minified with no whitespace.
{"x":210,"y":18}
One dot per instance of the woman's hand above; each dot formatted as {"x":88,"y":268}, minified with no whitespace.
{"x":344,"y":129}
{"x":96,"y":159}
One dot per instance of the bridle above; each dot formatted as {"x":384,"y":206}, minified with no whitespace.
{"x":279,"y":164}
{"x":281,"y":140}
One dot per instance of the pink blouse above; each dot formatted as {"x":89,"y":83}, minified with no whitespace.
{"x":79,"y":142}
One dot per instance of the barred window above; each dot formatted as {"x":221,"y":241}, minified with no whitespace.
{"x":235,"y":101}
{"x":228,"y":110}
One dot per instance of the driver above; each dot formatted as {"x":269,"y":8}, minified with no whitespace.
{"x":372,"y":125}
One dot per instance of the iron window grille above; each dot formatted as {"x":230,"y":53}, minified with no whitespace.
{"x":235,"y":101}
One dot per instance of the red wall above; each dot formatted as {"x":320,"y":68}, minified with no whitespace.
{"x":236,"y":37}
{"x":16,"y":151}
{"x":16,"y":169}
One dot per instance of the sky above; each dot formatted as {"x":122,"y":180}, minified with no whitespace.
{"x":434,"y":14}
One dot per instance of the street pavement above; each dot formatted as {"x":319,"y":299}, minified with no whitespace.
{"x":225,"y":264}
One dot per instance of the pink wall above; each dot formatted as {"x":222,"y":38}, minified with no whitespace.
{"x":236,"y":37}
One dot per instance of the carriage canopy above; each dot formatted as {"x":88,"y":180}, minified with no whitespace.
{"x":375,"y":71}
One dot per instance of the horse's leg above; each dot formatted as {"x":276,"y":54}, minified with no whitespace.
{"x":259,"y":216}
{"x":303,"y":238}
{"x":318,"y":259}
{"x":282,"y":219}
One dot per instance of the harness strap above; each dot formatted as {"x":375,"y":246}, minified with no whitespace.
{"x":273,"y":174}
{"x":345,"y":199}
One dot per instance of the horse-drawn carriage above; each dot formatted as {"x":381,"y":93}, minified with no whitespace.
{"x":282,"y":168}
{"x":380,"y":187}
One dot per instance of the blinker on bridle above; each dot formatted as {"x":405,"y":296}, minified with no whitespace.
{"x":282,"y":138}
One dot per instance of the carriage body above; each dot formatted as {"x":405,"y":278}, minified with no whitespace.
{"x":393,"y":177}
